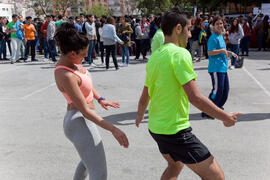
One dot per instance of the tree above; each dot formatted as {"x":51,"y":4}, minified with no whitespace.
{"x":99,"y":10}
{"x":153,"y":6}
{"x":41,"y":7}
{"x":61,"y":6}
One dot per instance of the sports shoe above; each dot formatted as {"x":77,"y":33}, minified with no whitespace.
{"x":232,"y":67}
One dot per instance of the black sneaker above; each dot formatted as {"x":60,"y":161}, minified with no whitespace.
{"x":34,"y":60}
{"x":204,"y":115}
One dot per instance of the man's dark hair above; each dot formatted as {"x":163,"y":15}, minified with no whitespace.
{"x":173,"y":17}
{"x":14,"y":16}
{"x":60,"y":17}
{"x":28,"y":17}
{"x":138,"y":20}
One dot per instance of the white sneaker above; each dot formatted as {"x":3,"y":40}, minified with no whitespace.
{"x":232,"y":67}
{"x":92,"y":65}
{"x":121,"y":64}
{"x":125,"y":65}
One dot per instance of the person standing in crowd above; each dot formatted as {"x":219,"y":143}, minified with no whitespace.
{"x":97,"y":43}
{"x":124,"y":32}
{"x":40,"y":37}
{"x":260,"y":32}
{"x":195,"y":48}
{"x":266,"y":27}
{"x":218,"y":65}
{"x":77,"y":24}
{"x":145,"y":42}
{"x":2,"y":40}
{"x":250,"y":20}
{"x":20,"y":35}
{"x":110,"y":39}
{"x":170,"y":86}
{"x":91,"y":34}
{"x":100,"y":31}
{"x":50,"y":38}
{"x":158,"y":39}
{"x":7,"y":37}
{"x":15,"y":42}
{"x":60,"y":21}
{"x":138,"y":38}
{"x":246,"y":38}
{"x":44,"y":28}
{"x":80,"y":120}
{"x":236,"y":33}
{"x":35,"y":23}
{"x":152,"y":28}
{"x":29,"y":32}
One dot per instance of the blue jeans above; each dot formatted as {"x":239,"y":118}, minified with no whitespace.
{"x":234,"y":48}
{"x":91,"y":51}
{"x":125,"y":54}
{"x":260,"y":41}
{"x":52,"y":49}
{"x":46,"y":49}
{"x":3,"y":48}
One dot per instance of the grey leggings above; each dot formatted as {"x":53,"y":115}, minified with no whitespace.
{"x":85,"y":137}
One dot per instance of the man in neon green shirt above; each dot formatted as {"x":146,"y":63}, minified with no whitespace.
{"x":169,"y":86}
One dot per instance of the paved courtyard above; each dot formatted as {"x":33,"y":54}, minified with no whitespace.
{"x":33,"y":145}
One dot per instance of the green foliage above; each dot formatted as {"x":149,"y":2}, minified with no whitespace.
{"x":98,"y":10}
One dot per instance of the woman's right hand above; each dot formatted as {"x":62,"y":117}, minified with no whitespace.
{"x":120,"y":137}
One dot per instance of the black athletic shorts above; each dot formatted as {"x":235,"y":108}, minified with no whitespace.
{"x":182,"y":146}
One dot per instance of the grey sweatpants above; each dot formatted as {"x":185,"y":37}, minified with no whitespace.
{"x":85,"y":137}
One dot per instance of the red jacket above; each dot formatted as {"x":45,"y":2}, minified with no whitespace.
{"x":247,"y":31}
{"x":44,"y":28}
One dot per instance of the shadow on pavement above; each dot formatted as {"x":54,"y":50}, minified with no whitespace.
{"x":244,"y":117}
{"x":117,"y":119}
{"x":200,"y":68}
{"x":265,"y":69}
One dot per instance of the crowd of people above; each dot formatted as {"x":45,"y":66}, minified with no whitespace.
{"x":124,"y":36}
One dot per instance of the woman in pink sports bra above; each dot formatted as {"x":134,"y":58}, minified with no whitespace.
{"x":80,"y":121}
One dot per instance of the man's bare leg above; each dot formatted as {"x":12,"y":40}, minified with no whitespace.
{"x":173,"y":169}
{"x":208,"y":169}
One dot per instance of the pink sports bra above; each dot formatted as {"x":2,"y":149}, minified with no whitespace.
{"x":86,"y":84}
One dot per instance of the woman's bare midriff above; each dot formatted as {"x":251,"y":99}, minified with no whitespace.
{"x":72,"y":106}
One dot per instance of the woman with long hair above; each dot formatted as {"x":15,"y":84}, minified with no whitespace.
{"x":236,"y":33}
{"x":75,"y":83}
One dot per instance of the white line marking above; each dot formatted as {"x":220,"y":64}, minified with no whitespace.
{"x":261,"y":86}
{"x":37,"y":91}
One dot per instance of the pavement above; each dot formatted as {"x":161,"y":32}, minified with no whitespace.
{"x":34,"y":147}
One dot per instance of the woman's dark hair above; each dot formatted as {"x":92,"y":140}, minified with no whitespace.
{"x":171,"y":18}
{"x":102,"y":21}
{"x":110,"y":20}
{"x":69,"y":38}
{"x":234,"y":28}
{"x":217,"y":18}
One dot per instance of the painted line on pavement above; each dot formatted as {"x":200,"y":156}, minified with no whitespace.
{"x":258,"y":82}
{"x":37,"y":91}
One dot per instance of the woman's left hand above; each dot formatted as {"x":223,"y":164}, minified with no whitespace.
{"x":105,"y":104}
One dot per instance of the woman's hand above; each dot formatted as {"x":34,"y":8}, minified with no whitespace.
{"x":105,"y":104}
{"x":120,"y":137}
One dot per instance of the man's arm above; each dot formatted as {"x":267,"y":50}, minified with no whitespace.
{"x":204,"y":104}
{"x":143,"y":103}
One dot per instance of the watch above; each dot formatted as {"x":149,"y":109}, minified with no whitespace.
{"x":100,"y":99}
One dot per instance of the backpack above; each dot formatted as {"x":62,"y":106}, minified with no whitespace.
{"x":202,"y":37}
{"x":84,"y":28}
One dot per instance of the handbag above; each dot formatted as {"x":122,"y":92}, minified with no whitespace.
{"x":124,"y":38}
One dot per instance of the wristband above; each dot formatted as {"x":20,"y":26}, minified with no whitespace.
{"x":100,"y":99}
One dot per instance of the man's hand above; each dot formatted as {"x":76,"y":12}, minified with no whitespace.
{"x":232,"y":119}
